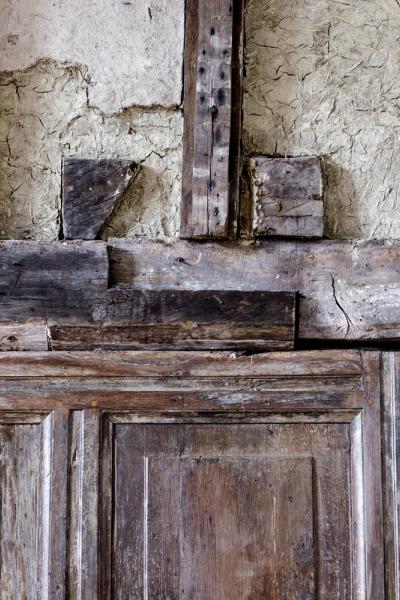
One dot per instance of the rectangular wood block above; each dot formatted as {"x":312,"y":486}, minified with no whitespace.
{"x":287,"y":197}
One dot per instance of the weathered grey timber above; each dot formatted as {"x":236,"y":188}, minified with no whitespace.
{"x":212,"y":118}
{"x":348,"y":290}
{"x":40,"y":281}
{"x":287,"y":197}
{"x":91,"y":190}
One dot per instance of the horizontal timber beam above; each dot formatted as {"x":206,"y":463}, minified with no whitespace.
{"x":348,"y":290}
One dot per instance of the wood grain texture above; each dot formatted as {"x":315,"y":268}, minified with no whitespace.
{"x":287,"y":197}
{"x":373,"y":469}
{"x":348,"y":290}
{"x":340,"y":364}
{"x":20,"y":490}
{"x":391,"y":474}
{"x":125,"y":319}
{"x":83,"y":529}
{"x":31,"y":335}
{"x":154,"y":461}
{"x":41,"y":281}
{"x":212,"y":118}
{"x":33,"y":493}
{"x":183,"y":527}
{"x":172,"y":381}
{"x":91,"y":191}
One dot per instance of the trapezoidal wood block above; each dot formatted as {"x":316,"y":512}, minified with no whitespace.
{"x":212,"y":109}
{"x":287,"y":197}
{"x":91,"y":191}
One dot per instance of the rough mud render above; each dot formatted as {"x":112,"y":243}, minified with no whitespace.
{"x":91,"y":99}
{"x":323,"y":78}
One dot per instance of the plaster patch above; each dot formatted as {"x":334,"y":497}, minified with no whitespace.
{"x":44,"y":115}
{"x":323,"y":78}
{"x":132,"y":49}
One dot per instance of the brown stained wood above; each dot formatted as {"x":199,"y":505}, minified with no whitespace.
{"x":348,"y":290}
{"x":287,"y":197}
{"x":122,"y":319}
{"x":31,"y":335}
{"x":266,"y":480}
{"x":212,"y":118}
{"x":130,"y":396}
{"x":91,"y":191}
{"x":337,"y":364}
{"x":54,"y":500}
{"x":33,"y":474}
{"x":189,"y":501}
{"x":373,"y":469}
{"x":391,"y":473}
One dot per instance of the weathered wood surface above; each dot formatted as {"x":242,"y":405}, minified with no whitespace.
{"x":391,"y":474}
{"x":287,"y":197}
{"x":140,"y":319}
{"x":174,"y":481}
{"x":40,"y":281}
{"x":83,"y":505}
{"x":91,"y":191}
{"x":64,"y":266}
{"x":339,"y":364}
{"x":161,"y":467}
{"x":174,"y":380}
{"x":348,"y":290}
{"x":232,"y":513}
{"x":33,"y":453}
{"x":371,"y":440}
{"x":44,"y":281}
{"x":31,"y":335}
{"x":212,"y":118}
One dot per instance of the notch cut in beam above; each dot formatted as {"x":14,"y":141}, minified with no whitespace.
{"x":212,"y":107}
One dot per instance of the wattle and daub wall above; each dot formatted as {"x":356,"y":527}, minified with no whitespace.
{"x":96,"y":79}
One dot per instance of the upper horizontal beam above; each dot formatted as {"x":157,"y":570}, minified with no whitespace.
{"x":348,"y":290}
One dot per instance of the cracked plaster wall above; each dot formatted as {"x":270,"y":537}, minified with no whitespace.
{"x":97,"y":79}
{"x":323,"y":78}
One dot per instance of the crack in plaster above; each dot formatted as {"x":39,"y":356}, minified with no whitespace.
{"x":324,"y":79}
{"x":46,"y":113}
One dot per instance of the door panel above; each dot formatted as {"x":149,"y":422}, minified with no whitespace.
{"x":195,"y":476}
{"x":232,"y":511}
{"x":33,"y":497}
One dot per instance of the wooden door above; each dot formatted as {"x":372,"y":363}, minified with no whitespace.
{"x":191,"y":476}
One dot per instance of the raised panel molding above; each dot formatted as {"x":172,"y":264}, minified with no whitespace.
{"x":137,"y":453}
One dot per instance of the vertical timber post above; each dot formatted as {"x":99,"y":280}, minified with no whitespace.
{"x":212,"y":107}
